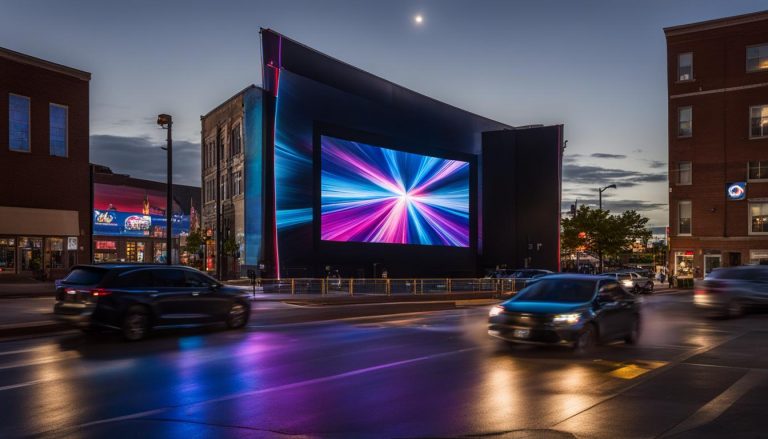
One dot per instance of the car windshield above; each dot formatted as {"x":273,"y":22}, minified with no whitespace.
{"x":558,"y":290}
{"x":85,"y":276}
{"x":738,"y":274}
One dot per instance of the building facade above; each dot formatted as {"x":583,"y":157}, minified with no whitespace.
{"x":45,"y":221}
{"x":718,"y":143}
{"x":129,"y":219}
{"x":223,"y":136}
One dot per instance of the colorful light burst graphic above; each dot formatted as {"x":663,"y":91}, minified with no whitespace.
{"x":374,"y":194}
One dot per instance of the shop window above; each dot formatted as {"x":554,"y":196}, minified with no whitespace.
{"x":757,"y":58}
{"x":684,"y":171}
{"x":685,"y":66}
{"x":684,"y":122}
{"x":758,"y":257}
{"x":18,"y":121}
{"x":31,"y":250}
{"x":56,"y":252}
{"x":134,"y":251}
{"x":758,"y":218}
{"x":58,"y":115}
{"x":758,"y":121}
{"x":684,"y":218}
{"x":7,"y":255}
{"x":684,"y":264}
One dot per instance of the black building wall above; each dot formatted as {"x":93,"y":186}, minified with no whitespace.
{"x":520,"y":198}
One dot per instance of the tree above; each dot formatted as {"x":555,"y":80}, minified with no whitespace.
{"x":597,"y":230}
{"x":195,"y":240}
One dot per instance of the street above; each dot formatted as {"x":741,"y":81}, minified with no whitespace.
{"x":428,"y":374}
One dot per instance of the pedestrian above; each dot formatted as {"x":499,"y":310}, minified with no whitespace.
{"x":662,"y":278}
{"x":671,"y":280}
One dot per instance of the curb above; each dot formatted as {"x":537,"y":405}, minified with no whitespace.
{"x":31,"y":328}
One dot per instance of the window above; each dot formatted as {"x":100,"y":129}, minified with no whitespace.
{"x":18,"y":123}
{"x":758,"y":121}
{"x":58,"y":115}
{"x":758,"y":218}
{"x":757,"y":58}
{"x":757,"y":170}
{"x":685,"y":66}
{"x":684,"y":122}
{"x":223,"y":187}
{"x":210,"y":195}
{"x":236,"y":141}
{"x":168,"y":278}
{"x":684,"y":218}
{"x":237,"y":184}
{"x":684,"y":170}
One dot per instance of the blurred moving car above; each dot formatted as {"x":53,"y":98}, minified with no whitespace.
{"x":576,"y":309}
{"x":136,"y":298}
{"x":632,"y":281}
{"x":732,"y":291}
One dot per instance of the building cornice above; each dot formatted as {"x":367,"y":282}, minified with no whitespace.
{"x":41,"y":63}
{"x":716,"y":23}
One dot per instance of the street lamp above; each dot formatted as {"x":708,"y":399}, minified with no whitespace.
{"x":600,"y":194}
{"x":600,"y":206}
{"x":166,"y":122}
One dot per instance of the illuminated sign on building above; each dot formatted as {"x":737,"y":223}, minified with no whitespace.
{"x":736,"y":191}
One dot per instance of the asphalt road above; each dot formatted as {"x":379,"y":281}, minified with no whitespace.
{"x":434,"y":374}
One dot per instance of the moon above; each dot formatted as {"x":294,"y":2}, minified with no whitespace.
{"x":418,"y":19}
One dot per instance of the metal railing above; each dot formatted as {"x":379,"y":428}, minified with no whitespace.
{"x":387,"y":287}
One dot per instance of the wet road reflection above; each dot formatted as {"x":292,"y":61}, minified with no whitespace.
{"x":425,"y":374}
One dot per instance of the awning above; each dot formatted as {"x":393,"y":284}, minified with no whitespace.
{"x":38,"y":222}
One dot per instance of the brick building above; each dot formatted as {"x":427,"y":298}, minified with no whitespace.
{"x":44,"y":184}
{"x":718,"y":143}
{"x":223,"y":137}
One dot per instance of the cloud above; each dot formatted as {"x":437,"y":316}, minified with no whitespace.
{"x":597,"y":175}
{"x":655,"y":164}
{"x":617,"y":206}
{"x":602,"y":155}
{"x":141,"y":158}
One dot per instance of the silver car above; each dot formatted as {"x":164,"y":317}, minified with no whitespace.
{"x":732,"y":291}
{"x":632,"y":281}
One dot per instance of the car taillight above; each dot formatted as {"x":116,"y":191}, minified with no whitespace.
{"x":100,"y":292}
{"x":699,"y":291}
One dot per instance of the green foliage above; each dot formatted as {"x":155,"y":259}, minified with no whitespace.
{"x":195,"y":240}
{"x":613,"y":234}
{"x":230,"y":246}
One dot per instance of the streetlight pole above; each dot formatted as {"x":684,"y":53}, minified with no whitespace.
{"x":166,"y":121}
{"x":600,"y":206}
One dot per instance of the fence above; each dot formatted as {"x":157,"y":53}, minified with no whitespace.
{"x":388,"y":287}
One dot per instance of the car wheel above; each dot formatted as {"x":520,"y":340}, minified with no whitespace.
{"x":135,"y":324}
{"x":237,"y":316}
{"x":634,"y":332}
{"x":586,"y":340}
{"x":650,"y":287}
{"x":734,"y":309}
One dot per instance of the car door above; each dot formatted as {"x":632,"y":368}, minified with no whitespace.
{"x":609,"y":309}
{"x":207,"y":299}
{"x":174,"y":301}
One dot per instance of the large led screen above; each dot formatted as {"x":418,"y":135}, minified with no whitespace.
{"x":379,"y":195}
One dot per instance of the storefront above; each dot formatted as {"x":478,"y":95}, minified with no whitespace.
{"x":683,"y":261}
{"x":46,"y":244}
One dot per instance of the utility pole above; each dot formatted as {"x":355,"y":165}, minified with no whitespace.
{"x":166,"y":121}
{"x":217,"y":259}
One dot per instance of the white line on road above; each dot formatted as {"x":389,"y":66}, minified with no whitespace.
{"x":713,"y":409}
{"x":283,"y":387}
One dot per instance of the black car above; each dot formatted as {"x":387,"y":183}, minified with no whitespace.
{"x":137,"y":298}
{"x":579,"y":310}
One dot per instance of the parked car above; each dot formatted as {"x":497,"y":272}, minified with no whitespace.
{"x":135,"y":299}
{"x":574,"y":309}
{"x":632,"y":281}
{"x":732,"y":291}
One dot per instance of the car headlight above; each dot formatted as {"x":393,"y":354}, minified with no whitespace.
{"x":496,"y":310}
{"x":567,"y":318}
{"x":627,"y":283}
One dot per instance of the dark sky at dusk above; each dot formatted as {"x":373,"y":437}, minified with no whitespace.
{"x":596,"y":66}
